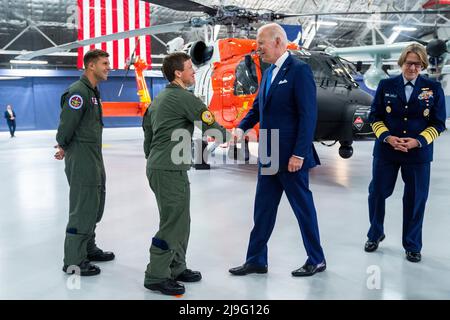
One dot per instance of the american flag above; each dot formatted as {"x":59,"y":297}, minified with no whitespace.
{"x":102,"y":17}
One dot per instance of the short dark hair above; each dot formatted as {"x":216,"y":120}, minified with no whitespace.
{"x":93,"y":55}
{"x":174,"y":62}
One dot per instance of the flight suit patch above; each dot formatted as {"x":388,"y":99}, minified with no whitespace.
{"x":208,"y":117}
{"x":94,"y":100}
{"x":76,"y":101}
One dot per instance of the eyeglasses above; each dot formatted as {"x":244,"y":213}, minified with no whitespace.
{"x":417,"y":65}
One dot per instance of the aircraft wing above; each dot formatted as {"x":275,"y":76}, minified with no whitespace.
{"x":384,"y":50}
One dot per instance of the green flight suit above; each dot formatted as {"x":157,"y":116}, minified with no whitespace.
{"x":80,"y":135}
{"x":167,"y":164}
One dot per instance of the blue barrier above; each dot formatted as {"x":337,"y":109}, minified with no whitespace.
{"x":35,"y":96}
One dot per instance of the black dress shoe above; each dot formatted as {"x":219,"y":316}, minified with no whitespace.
{"x":169,"y":287}
{"x":413,"y":256}
{"x":247,"y":269}
{"x":84,"y":269}
{"x":371,"y":246}
{"x":101,"y":256}
{"x":189,"y":276}
{"x":309,"y":269}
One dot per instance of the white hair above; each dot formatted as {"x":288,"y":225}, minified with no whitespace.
{"x":275,"y":31}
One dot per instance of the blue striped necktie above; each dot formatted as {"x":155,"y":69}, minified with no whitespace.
{"x":269,"y":78}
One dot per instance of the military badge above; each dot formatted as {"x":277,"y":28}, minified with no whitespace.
{"x":76,"y":101}
{"x":426,"y":112}
{"x":388,"y":109}
{"x":94,"y":100}
{"x":425,"y":95}
{"x":208,"y":117}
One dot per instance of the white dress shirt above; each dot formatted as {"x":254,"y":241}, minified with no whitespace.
{"x":278,"y":65}
{"x":408,"y":89}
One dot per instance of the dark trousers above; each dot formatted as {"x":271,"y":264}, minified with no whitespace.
{"x":169,"y":245}
{"x":86,"y":206}
{"x":268,"y":194}
{"x":11,"y":126}
{"x":417,"y":181}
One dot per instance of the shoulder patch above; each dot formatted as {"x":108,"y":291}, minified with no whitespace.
{"x":208,"y":117}
{"x":75,"y":101}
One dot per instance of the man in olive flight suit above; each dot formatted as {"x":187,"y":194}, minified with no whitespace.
{"x":171,"y":117}
{"x":79,"y":140}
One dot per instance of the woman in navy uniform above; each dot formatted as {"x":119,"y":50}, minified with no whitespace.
{"x":407,"y":115}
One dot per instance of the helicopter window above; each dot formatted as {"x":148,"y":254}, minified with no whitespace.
{"x":246,"y":80}
{"x":328,"y":71}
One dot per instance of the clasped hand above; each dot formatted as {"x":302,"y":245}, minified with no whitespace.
{"x":402,"y":144}
{"x":59,"y":155}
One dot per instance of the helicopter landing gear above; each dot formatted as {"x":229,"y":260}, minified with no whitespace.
{"x":346,"y":149}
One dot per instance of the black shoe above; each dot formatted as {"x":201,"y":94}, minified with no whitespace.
{"x":247,"y":269}
{"x":169,"y":287}
{"x":371,"y":246}
{"x":101,"y":256}
{"x":83,"y":269}
{"x":309,"y":269}
{"x":413,"y":256}
{"x":189,"y":276}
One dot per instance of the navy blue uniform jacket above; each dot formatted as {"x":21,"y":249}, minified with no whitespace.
{"x":422,"y":117}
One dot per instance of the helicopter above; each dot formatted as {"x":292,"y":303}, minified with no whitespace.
{"x":229,"y":71}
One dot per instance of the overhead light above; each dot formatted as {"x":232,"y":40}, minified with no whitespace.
{"x":404,"y":28}
{"x":28,"y":62}
{"x":326,"y":23}
{"x":10,"y":78}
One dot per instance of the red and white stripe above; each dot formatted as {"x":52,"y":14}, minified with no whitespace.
{"x":103,"y":17}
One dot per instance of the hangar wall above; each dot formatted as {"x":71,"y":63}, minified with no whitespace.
{"x":35,"y":96}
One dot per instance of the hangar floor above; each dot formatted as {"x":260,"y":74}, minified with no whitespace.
{"x":34,"y":206}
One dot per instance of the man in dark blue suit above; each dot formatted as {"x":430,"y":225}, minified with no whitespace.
{"x":286,"y":104}
{"x":407,"y":114}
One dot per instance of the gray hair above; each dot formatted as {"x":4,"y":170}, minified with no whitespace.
{"x":275,"y":31}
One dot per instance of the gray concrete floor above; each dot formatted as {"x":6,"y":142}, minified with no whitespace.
{"x":34,"y":211}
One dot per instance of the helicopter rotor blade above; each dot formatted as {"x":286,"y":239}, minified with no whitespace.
{"x":162,"y":28}
{"x":185,"y":5}
{"x":424,"y":43}
{"x":369,"y":13}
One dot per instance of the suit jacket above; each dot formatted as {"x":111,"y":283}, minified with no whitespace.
{"x":291,"y":107}
{"x":8,"y":117}
{"x":422,"y":117}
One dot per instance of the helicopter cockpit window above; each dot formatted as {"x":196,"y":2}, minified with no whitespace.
{"x":328,"y":71}
{"x":246,"y":79}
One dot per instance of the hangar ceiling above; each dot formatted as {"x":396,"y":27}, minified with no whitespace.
{"x":36,"y":24}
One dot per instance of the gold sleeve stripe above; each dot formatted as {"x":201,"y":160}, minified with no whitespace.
{"x":379,"y":128}
{"x":430,"y":134}
{"x":433,"y":133}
